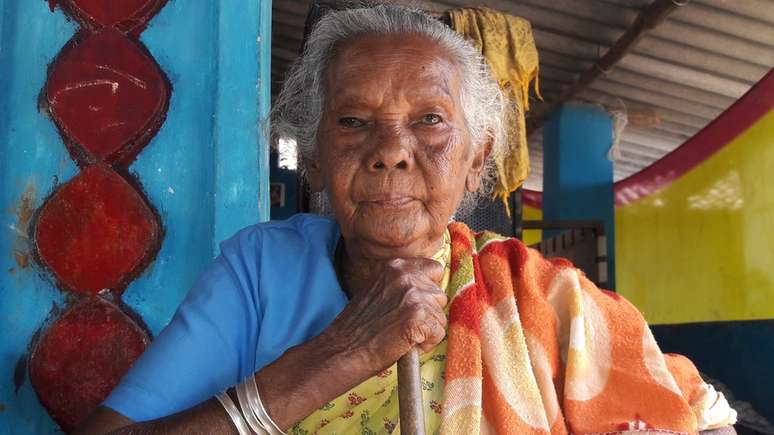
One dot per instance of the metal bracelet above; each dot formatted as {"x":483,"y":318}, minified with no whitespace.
{"x":233,"y":412}
{"x":257,"y":405}
{"x":246,"y":403}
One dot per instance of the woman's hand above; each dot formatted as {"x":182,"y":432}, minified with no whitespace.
{"x":402,"y":309}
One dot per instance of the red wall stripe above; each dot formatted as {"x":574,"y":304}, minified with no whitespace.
{"x":717,"y":134}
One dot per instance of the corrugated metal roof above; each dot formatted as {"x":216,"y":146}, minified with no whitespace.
{"x":683,"y":73}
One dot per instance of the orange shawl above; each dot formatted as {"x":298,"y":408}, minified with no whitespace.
{"x":535,"y":348}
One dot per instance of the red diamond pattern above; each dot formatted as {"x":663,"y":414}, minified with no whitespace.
{"x":82,"y":357}
{"x":95,"y":231}
{"x":125,"y":15}
{"x":108,"y":97}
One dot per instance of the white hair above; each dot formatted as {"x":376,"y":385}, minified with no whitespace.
{"x":298,"y":108}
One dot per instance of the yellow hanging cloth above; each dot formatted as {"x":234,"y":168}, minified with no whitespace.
{"x":508,"y":46}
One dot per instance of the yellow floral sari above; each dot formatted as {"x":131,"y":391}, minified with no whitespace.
{"x":372,"y":407}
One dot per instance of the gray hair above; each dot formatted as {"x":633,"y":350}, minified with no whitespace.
{"x":298,"y":108}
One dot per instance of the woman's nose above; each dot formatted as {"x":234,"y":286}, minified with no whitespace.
{"x":392,"y":150}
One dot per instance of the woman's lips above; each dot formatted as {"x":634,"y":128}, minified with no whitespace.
{"x":389,"y":201}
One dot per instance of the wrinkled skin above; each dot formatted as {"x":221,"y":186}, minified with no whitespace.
{"x":395,"y":156}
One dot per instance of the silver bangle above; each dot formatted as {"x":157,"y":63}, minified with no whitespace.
{"x":254,"y":400}
{"x":233,"y":412}
{"x":248,"y":411}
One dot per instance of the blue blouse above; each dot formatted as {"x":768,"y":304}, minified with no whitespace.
{"x":272,"y":287}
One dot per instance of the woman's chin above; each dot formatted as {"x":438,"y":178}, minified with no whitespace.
{"x":402,"y":238}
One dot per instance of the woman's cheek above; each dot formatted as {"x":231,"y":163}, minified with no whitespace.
{"x":444,"y":146}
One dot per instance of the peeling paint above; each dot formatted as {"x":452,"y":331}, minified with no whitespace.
{"x":24,"y":212}
{"x":26,"y":207}
{"x":22,"y":259}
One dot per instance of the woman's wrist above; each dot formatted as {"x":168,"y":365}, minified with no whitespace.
{"x":306,"y":377}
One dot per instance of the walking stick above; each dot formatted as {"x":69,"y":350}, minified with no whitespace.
{"x":412,"y":419}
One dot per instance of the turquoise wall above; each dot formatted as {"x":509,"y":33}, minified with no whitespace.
{"x":206,"y":171}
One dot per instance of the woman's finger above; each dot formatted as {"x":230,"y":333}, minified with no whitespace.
{"x":435,"y":334}
{"x":424,"y":293}
{"x":434,"y":301}
{"x":426,"y":266}
{"x":424,"y":325}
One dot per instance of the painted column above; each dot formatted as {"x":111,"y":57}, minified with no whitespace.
{"x":577,"y":175}
{"x":172,"y":192}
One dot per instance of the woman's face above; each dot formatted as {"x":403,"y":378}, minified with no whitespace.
{"x":394,"y":153}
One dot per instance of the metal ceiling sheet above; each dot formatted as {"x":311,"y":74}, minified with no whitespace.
{"x":683,"y":73}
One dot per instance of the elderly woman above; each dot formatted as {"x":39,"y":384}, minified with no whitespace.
{"x":297,"y":324}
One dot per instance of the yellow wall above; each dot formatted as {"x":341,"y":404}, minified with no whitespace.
{"x":702,"y":248}
{"x":530,"y":237}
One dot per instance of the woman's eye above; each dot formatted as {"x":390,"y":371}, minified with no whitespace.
{"x":431,"y":119}
{"x":351,"y":122}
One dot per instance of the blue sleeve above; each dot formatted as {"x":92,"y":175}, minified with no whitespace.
{"x":208,"y":346}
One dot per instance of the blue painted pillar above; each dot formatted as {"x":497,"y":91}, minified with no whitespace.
{"x":577,"y":175}
{"x":243,"y":97}
{"x":205,"y":172}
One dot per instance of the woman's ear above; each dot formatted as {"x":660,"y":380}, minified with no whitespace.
{"x":480,"y":156}
{"x":314,"y":175}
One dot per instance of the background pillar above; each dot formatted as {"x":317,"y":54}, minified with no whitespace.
{"x":577,"y":175}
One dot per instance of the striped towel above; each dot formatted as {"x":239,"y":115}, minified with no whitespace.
{"x":535,"y":348}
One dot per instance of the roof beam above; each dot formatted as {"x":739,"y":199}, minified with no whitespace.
{"x":671,"y":48}
{"x":566,"y":45}
{"x":554,"y":59}
{"x":712,"y":40}
{"x":655,"y":98}
{"x":637,"y":80}
{"x":728,"y":23}
{"x":611,"y":100}
{"x":599,"y":12}
{"x":625,"y":164}
{"x":557,"y":74}
{"x":634,"y":152}
{"x":682,"y":130}
{"x":760,"y":10}
{"x":646,"y":20}
{"x":652,"y":142}
{"x":685,"y":76}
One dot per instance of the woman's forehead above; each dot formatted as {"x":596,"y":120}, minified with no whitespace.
{"x":378,"y":63}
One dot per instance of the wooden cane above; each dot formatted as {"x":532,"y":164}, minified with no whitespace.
{"x":412,"y":419}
